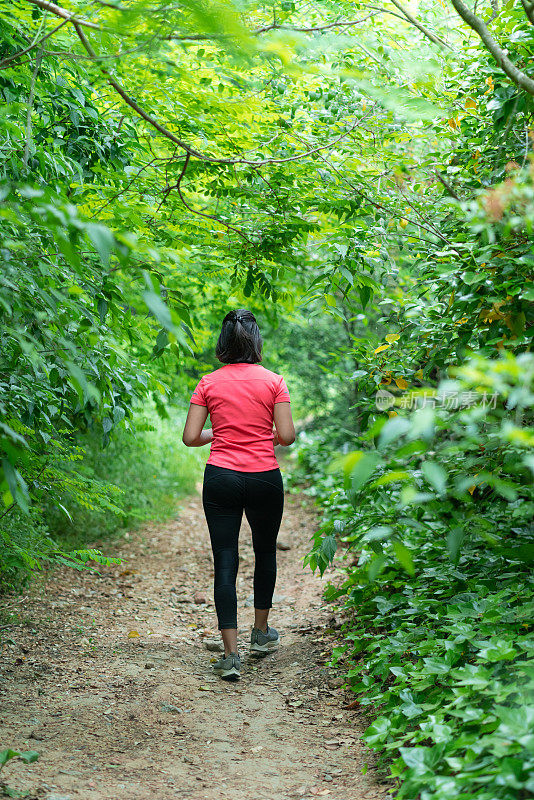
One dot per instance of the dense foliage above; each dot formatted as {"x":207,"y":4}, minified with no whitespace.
{"x":436,"y":522}
{"x":361,"y":177}
{"x":99,"y":493}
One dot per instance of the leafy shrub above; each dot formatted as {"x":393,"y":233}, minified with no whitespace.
{"x":138,"y":476}
{"x":436,"y":522}
{"x":149,"y":471}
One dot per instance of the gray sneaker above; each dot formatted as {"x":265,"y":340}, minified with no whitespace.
{"x":261,"y":642}
{"x":228,"y":667}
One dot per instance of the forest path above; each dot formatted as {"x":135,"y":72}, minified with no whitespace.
{"x":109,"y":679}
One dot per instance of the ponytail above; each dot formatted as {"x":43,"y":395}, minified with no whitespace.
{"x":240,"y":339}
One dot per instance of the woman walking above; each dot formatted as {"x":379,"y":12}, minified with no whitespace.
{"x":244,"y":401}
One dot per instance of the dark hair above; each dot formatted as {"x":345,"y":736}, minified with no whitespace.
{"x":240,"y":339}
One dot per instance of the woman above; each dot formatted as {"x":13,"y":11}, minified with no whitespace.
{"x":243,"y":400}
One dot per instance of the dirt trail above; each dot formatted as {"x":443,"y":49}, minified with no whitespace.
{"x":109,"y":679}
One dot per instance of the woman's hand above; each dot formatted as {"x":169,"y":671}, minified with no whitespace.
{"x":276,"y":440}
{"x":206,"y":436}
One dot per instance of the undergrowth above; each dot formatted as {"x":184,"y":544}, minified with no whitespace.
{"x":432,"y":524}
{"x":136,"y":477}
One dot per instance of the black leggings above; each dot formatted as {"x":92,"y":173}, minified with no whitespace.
{"x":225,"y":495}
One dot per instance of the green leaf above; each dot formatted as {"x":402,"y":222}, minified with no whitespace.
{"x":378,"y":731}
{"x":7,"y":755}
{"x":404,"y":556}
{"x":17,"y":486}
{"x":472,"y":277}
{"x":29,"y":756}
{"x":102,"y":239}
{"x":365,"y":293}
{"x":375,"y":567}
{"x":102,"y":309}
{"x":160,"y":310}
{"x":497,"y":650}
{"x":393,"y":429}
{"x":346,"y":274}
{"x":10,"y":475}
{"x":435,"y":475}
{"x":454,"y":543}
{"x":391,"y":477}
{"x":328,"y":547}
{"x":363,"y":469}
{"x":437,"y":666}
{"x":162,"y":340}
{"x":83,"y":387}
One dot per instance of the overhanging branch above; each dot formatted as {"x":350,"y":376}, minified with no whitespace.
{"x":274,"y":26}
{"x":528,"y":8}
{"x":64,"y":14}
{"x":61,"y":12}
{"x":183,"y":145}
{"x":420,"y":27}
{"x":508,"y":67}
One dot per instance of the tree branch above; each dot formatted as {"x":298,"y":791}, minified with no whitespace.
{"x":129,"y":100}
{"x":201,"y":213}
{"x":123,"y":191}
{"x":154,"y":122}
{"x":420,"y":26}
{"x":274,"y":26}
{"x":528,"y":8}
{"x":8,"y":509}
{"x":169,"y":189}
{"x":446,"y":184}
{"x":63,"y":13}
{"x":36,"y":42}
{"x":495,"y":10}
{"x":508,"y":67}
{"x":183,"y":145}
{"x":6,"y":61}
{"x":277,"y":27}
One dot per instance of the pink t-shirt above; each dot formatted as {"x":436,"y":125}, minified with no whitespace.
{"x":240,"y":400}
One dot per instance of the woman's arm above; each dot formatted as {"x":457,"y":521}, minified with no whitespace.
{"x":193,"y":435}
{"x":283,"y":421}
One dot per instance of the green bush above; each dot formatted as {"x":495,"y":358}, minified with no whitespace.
{"x":137,"y":476}
{"x":435,"y":522}
{"x":148,"y":470}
